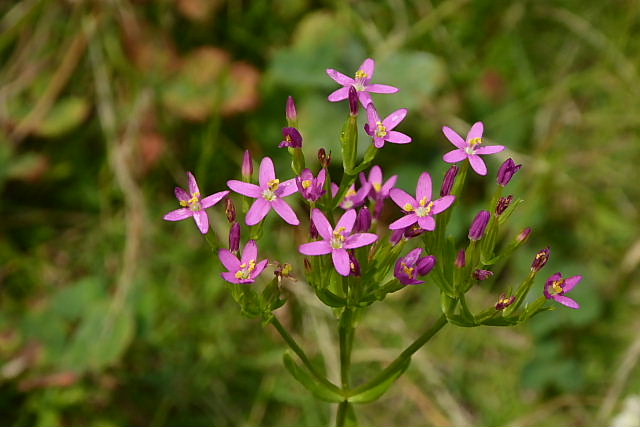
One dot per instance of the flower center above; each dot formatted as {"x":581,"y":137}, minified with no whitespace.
{"x":377,"y":186}
{"x":471,"y":149}
{"x":306,"y":183}
{"x":245,"y":270}
{"x":193,"y":203}
{"x":425,"y":207}
{"x":269,"y":194}
{"x":557,"y":287}
{"x":409,"y":271}
{"x":361,"y":75}
{"x":337,"y":241}
{"x":381,"y":131}
{"x":408,"y":207}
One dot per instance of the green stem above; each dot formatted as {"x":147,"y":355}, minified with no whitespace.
{"x":345,"y":332}
{"x":341,"y":418}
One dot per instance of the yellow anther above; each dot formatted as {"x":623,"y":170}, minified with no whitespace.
{"x":381,"y":132}
{"x":408,"y":270}
{"x":361,"y":74}
{"x":377,"y":186}
{"x":475,"y":141}
{"x":306,"y":183}
{"x":408,"y":207}
{"x":558,"y":286}
{"x":274,"y":184}
{"x":350,"y":193}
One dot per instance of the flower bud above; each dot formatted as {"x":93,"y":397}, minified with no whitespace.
{"x":409,"y":267}
{"x":247,"y":166}
{"x":426,"y":264}
{"x":363,"y":221}
{"x":524,"y":235}
{"x":503,"y":204}
{"x":506,"y":172}
{"x":313,"y":231}
{"x":292,"y":113}
{"x":230,"y":211}
{"x":307,"y":266}
{"x":482,"y":274}
{"x":353,"y":101}
{"x":292,"y":138}
{"x":449,"y":180}
{"x":461,"y":259}
{"x":504,"y":301}
{"x":541,"y":259}
{"x":324,"y":158}
{"x":479,"y":226}
{"x":354,"y":264}
{"x":397,"y":236}
{"x":234,"y":237}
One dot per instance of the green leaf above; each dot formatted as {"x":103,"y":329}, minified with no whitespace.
{"x":304,"y":377}
{"x":380,"y":387}
{"x":63,"y":117}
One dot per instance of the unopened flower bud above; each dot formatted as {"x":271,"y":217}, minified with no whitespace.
{"x":541,"y":259}
{"x":413,"y":231}
{"x":504,"y":301}
{"x":324,"y":158}
{"x":449,"y":180}
{"x":234,"y":237}
{"x":461,"y":259}
{"x":503,"y":204}
{"x":479,"y":226}
{"x":247,"y":166}
{"x":482,"y":274}
{"x":353,"y":101}
{"x":524,"y":235}
{"x":506,"y":172}
{"x":397,"y":236}
{"x":292,"y":113}
{"x":313,"y":231}
{"x":230,"y":211}
{"x":307,"y":266}
{"x":354,"y":264}
{"x":363,"y":221}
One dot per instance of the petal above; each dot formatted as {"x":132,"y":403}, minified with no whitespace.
{"x":341,"y":261}
{"x":211,"y":200}
{"x":259,"y":268}
{"x":365,"y":99}
{"x":490,"y":149}
{"x":454,"y":138}
{"x":230,"y":277}
{"x":455,"y":156}
{"x":359,"y":240}
{"x":412,"y":257}
{"x":395,"y":118}
{"x":398,"y":137}
{"x":475,"y":131}
{"x":322,"y":224}
{"x":427,"y":222}
{"x":202,"y":221}
{"x":287,"y":188}
{"x":250,"y":252}
{"x":181,"y":195}
{"x":339,"y":95}
{"x":347,"y":220}
{"x":402,"y":198}
{"x":340,"y":78}
{"x":257,"y":212}
{"x":372,"y":117}
{"x":377,"y":88}
{"x":193,"y":185}
{"x":334,"y":189}
{"x":478,"y":164}
{"x":245,"y":188}
{"x":404,"y":222}
{"x":375,"y":175}
{"x":566,"y":301}
{"x":321,"y":247}
{"x":267,"y":172}
{"x":284,"y":210}
{"x":178,"y":214}
{"x":391,"y":182}
{"x":442,"y":204}
{"x":571,"y":283}
{"x":369,"y":67}
{"x":423,"y":189}
{"x":229,"y":260}
{"x":378,"y":142}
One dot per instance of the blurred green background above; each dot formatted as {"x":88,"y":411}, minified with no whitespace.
{"x":111,"y":316}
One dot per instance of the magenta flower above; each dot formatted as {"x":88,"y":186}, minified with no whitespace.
{"x":311,"y":188}
{"x":422,"y":208}
{"x":292,"y":138}
{"x":193,"y":205}
{"x":470,"y":149}
{"x":337,"y":240}
{"x":382,"y":130}
{"x":556,"y":287}
{"x":379,"y":189}
{"x":361,"y":82}
{"x":268,"y":195}
{"x":412,"y":265}
{"x":243,"y":270}
{"x":352,"y":198}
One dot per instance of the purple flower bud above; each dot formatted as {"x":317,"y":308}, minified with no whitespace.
{"x":503,"y":204}
{"x":292,"y":113}
{"x":234,"y":237}
{"x":324,"y":158}
{"x":363,"y":221}
{"x":524,"y":235}
{"x":461,"y":259}
{"x":504,"y":301}
{"x":482,"y":274}
{"x":541,"y":259}
{"x":247,"y":166}
{"x":426,"y":264}
{"x":353,"y":101}
{"x":412,"y":265}
{"x":230,"y":211}
{"x":397,"y":236}
{"x":313,"y":231}
{"x":506,"y":172}
{"x":292,"y":138}
{"x":479,"y":226}
{"x":449,"y":180}
{"x":354,"y":264}
{"x":413,"y":231}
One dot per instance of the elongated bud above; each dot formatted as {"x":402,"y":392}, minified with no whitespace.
{"x":307,"y":266}
{"x":363,"y":221}
{"x":354,"y":103}
{"x":449,"y":180}
{"x":230,"y":211}
{"x":397,"y":236}
{"x":313,"y":231}
{"x":426,"y":264}
{"x":541,"y":259}
{"x":354,"y":264}
{"x":505,"y":301}
{"x":292,"y":113}
{"x":524,"y":235}
{"x":479,"y":226}
{"x":234,"y":237}
{"x":503,"y":204}
{"x":506,"y":172}
{"x":461,"y":259}
{"x":482,"y":274}
{"x":247,"y":166}
{"x":324,"y":158}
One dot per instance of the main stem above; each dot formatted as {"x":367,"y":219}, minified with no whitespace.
{"x":345,"y":332}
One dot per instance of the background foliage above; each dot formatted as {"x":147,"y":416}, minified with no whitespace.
{"x":110,"y":316}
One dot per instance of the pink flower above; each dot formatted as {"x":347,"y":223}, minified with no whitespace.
{"x":352,"y":198}
{"x":268,"y":195}
{"x":382,"y":130}
{"x":337,"y":240}
{"x":193,"y":205}
{"x":422,"y":208}
{"x":556,"y":287}
{"x":470,"y":149}
{"x":244,"y":270}
{"x":379,"y":190}
{"x":361,"y":82}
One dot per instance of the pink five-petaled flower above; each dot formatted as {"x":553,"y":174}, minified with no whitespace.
{"x":557,"y":286}
{"x":245,"y":269}
{"x":193,"y":205}
{"x":412,"y":265}
{"x":337,"y":240}
{"x":361,"y":82}
{"x":268,"y":195}
{"x":382,"y":130}
{"x":422,"y":208}
{"x":471,"y":148}
{"x":379,"y":190}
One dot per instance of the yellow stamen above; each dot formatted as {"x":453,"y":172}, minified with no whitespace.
{"x":306,"y":183}
{"x":381,"y":132}
{"x":475,"y":141}
{"x":361,"y":74}
{"x":408,"y":207}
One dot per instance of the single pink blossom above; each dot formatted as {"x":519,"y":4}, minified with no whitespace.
{"x":361,"y":82}
{"x":243,"y":270}
{"x":382,"y":130}
{"x":470,"y":148}
{"x":556,"y":288}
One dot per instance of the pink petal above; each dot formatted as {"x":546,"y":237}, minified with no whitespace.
{"x":321,"y":247}
{"x":285,"y":211}
{"x":257,"y":212}
{"x":391,"y":182}
{"x":365,"y":98}
{"x":377,"y":88}
{"x":369,"y":67}
{"x":427,"y":223}
{"x":455,"y":156}
{"x":334,"y":189}
{"x":245,"y":188}
{"x":229,"y":260}
{"x":250,"y":252}
{"x":571,"y":283}
{"x":375,"y":175}
{"x":322,"y":224}
{"x":478,"y":164}
{"x":259,"y":268}
{"x":378,"y":142}
{"x":475,"y":132}
{"x":395,"y":118}
{"x":287,"y":188}
{"x":347,"y":220}
{"x":341,"y":261}
{"x":211,"y":200}
{"x":359,"y":240}
{"x":566,"y":301}
{"x":454,"y":138}
{"x":230,"y":277}
{"x":267,"y":172}
{"x":178,"y":214}
{"x":181,"y":195}
{"x":442,"y":204}
{"x":339,"y":95}
{"x":402,"y":198}
{"x":202,"y":221}
{"x":404,"y":222}
{"x":489,"y":149}
{"x":193,"y":185}
{"x":340,"y":78}
{"x":398,"y":137}
{"x":372,"y":117}
{"x":423,"y":189}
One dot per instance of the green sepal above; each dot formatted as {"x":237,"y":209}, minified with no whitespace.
{"x":247,"y":299}
{"x":501,"y":321}
{"x":270,"y":298}
{"x":460,"y":320}
{"x":297,"y":160}
{"x":507,"y":213}
{"x":534,"y":308}
{"x":304,"y":377}
{"x":330,"y":299}
{"x":374,"y":391}
{"x":349,"y":142}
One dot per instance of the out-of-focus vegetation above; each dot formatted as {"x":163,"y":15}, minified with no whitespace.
{"x":110,"y":316}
